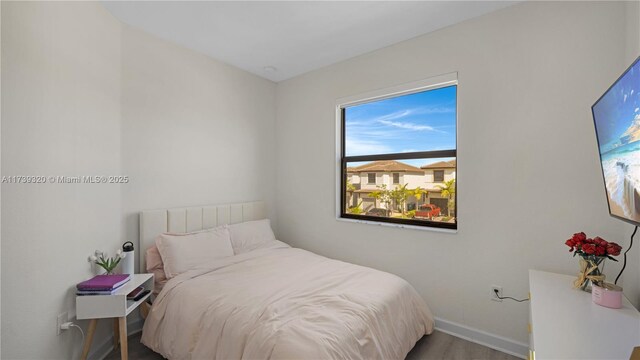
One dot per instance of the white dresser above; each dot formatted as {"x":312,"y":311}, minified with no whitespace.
{"x":566,"y":324}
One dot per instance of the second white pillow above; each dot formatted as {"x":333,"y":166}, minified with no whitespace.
{"x":248,"y":235}
{"x":182,"y":252}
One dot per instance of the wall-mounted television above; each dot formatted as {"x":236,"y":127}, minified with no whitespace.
{"x":616,"y":116}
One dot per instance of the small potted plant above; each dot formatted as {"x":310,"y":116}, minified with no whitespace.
{"x":107,"y":263}
{"x":592,"y":253}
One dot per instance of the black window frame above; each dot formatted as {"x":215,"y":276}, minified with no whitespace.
{"x":369,"y":178}
{"x":393,"y":178}
{"x":344,"y":160}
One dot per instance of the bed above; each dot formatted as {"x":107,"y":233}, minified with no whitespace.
{"x":274,"y":301}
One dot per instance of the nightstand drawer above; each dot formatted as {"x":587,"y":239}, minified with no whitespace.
{"x":101,"y":306}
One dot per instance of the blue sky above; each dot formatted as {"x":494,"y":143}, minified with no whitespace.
{"x":422,"y":121}
{"x":618,"y":109}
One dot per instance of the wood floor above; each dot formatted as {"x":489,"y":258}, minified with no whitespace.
{"x":444,"y":346}
{"x":435,"y":346}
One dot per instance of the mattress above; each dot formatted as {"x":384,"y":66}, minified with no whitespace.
{"x":279,"y":302}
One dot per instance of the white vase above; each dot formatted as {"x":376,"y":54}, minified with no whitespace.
{"x":98,"y":270}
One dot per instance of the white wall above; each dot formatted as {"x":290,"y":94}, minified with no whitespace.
{"x":60,"y":116}
{"x":412,"y":180}
{"x":194,"y":130}
{"x":86,"y":95}
{"x":528,"y":76}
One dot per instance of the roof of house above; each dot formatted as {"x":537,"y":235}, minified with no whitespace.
{"x":366,"y":191}
{"x":384,"y":166}
{"x":440,"y":165}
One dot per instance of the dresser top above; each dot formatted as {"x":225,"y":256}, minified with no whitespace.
{"x":568,"y":325}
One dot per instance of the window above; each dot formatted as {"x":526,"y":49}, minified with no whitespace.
{"x":411,"y":132}
{"x":438,"y":175}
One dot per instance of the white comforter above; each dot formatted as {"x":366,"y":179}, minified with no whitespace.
{"x":279,"y":302}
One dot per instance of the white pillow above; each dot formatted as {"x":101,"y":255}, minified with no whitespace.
{"x":182,"y":252}
{"x":248,"y":235}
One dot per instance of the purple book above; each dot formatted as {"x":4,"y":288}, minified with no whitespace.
{"x":104,"y":282}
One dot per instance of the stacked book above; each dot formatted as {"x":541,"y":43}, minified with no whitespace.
{"x":102,"y":284}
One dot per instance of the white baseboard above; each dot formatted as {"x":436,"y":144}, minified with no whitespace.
{"x":101,"y":351}
{"x":493,"y":341}
{"x":484,"y":338}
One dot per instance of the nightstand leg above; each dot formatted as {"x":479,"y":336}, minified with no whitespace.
{"x":116,"y":333}
{"x":124,"y":349}
{"x":87,"y":341}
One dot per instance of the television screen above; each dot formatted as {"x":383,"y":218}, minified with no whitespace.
{"x":617,"y":120}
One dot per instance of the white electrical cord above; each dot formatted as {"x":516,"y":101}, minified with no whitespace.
{"x":81,"y":332}
{"x":68,"y":325}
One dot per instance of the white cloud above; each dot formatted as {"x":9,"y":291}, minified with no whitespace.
{"x":408,"y":126}
{"x":416,"y":111}
{"x":383,"y":134}
{"x":435,"y":110}
{"x":365,"y":147}
{"x":387,"y":119}
{"x":396,"y":115}
{"x":637,"y":109}
{"x":625,"y":98}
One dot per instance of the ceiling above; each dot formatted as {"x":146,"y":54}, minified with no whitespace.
{"x":281,"y":39}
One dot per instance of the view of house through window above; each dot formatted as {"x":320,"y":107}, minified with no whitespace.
{"x":399,"y":159}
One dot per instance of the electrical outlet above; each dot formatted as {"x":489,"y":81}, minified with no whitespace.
{"x":493,"y":293}
{"x":62,"y":318}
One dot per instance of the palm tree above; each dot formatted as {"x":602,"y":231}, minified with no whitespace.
{"x":350,"y":188}
{"x":355,"y":209}
{"x":448,"y":191}
{"x":400,"y":195}
{"x":383,"y":195}
{"x":417,"y":193}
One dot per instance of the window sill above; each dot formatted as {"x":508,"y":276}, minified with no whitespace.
{"x":405,"y":226}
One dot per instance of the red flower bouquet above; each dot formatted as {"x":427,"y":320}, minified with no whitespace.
{"x":592,"y":252}
{"x":579,"y":244}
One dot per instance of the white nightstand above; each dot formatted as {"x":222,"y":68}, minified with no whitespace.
{"x":115,"y":306}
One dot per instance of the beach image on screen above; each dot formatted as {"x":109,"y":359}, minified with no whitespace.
{"x":617,"y":121}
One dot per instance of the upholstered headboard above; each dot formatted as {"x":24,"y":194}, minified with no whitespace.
{"x":182,"y":220}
